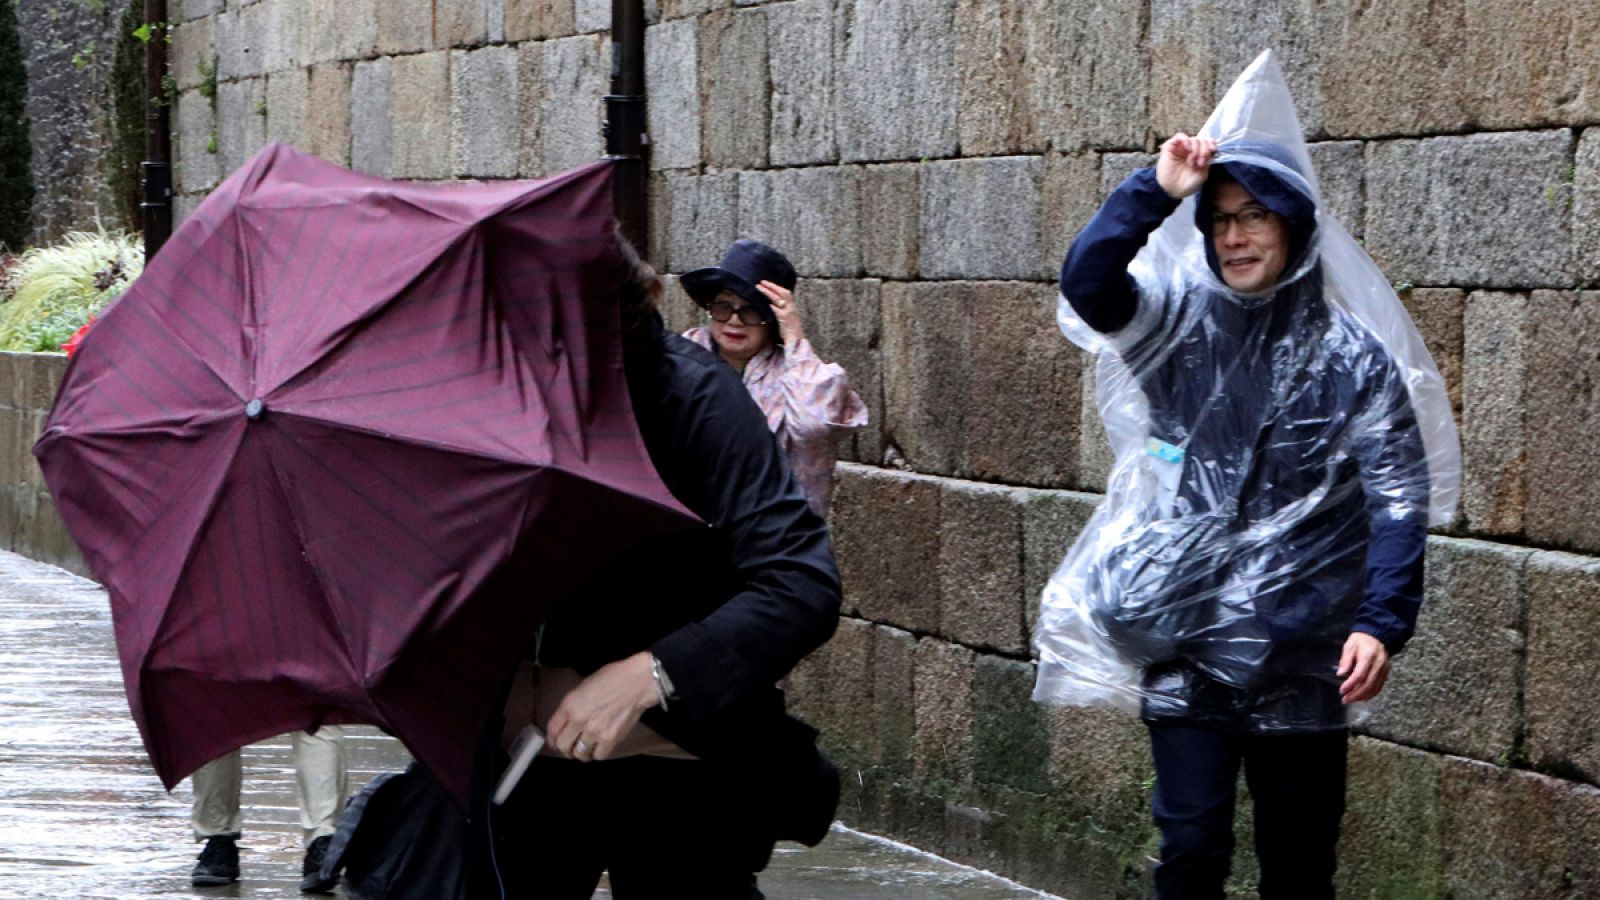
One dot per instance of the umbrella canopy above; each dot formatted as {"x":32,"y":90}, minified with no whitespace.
{"x":340,"y":447}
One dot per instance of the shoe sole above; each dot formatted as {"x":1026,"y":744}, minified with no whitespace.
{"x":212,"y":880}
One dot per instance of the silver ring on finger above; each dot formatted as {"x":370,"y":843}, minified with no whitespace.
{"x":581,"y":748}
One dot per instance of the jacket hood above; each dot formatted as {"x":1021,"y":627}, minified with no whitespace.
{"x":1274,"y":178}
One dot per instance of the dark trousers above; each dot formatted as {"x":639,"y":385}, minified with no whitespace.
{"x":1297,"y":783}
{"x":664,"y":829}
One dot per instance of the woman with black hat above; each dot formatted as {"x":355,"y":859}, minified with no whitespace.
{"x":756,"y":328}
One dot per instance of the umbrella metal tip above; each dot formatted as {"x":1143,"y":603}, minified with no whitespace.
{"x":255,"y":408}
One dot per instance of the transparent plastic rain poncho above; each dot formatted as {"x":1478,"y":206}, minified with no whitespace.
{"x":1259,"y":442}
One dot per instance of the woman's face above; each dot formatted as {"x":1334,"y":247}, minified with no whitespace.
{"x":735,"y":340}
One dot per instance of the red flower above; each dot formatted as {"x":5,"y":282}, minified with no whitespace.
{"x":71,"y":346}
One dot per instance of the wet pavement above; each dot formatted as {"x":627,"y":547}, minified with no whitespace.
{"x":83,"y":816}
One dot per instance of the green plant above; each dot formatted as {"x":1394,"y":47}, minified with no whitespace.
{"x":208,"y":77}
{"x":56,"y":289}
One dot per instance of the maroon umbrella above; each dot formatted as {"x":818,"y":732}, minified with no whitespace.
{"x":340,"y":447}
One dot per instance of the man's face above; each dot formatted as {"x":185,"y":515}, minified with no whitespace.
{"x":1252,"y":242}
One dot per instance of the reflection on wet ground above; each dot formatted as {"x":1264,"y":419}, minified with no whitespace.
{"x":83,"y":816}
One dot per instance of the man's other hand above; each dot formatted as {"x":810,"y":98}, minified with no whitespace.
{"x":1184,"y":163}
{"x":1364,"y":666}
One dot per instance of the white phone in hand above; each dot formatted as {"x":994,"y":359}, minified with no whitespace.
{"x":527,"y":745}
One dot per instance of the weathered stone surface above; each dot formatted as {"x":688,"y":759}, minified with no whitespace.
{"x":927,"y":370}
{"x":1427,"y":229}
{"x":980,"y":567}
{"x":996,"y":115}
{"x":1495,"y":65}
{"x":405,"y":26}
{"x":959,"y":403}
{"x":183,"y":205}
{"x":1080,"y":51}
{"x":1586,"y":208}
{"x":1051,"y":522}
{"x":844,"y":323}
{"x":1509,"y":833}
{"x":282,"y":32}
{"x":241,"y":121}
{"x":893,"y":697}
{"x":1563,"y":412}
{"x":341,"y":29}
{"x":850,"y":721}
{"x":943,"y":743}
{"x":530,"y":108}
{"x":1115,"y":169}
{"x":192,"y":53}
{"x":194,"y":9}
{"x":678,"y":309}
{"x":801,"y":70}
{"x":811,"y":215}
{"x":981,"y":219}
{"x":419,"y":107}
{"x":483,"y":139}
{"x":194,"y":127}
{"x":1457,"y":687}
{"x":1198,"y":50}
{"x":576,"y":77}
{"x":1341,"y":168}
{"x":896,"y":79}
{"x":1069,"y":198}
{"x":1439,"y":313}
{"x":1494,"y":452}
{"x":1010,"y":734}
{"x":1095,"y":456}
{"x":733,"y":88}
{"x":891,"y":211}
{"x":672,"y":70}
{"x":1563,"y":732}
{"x":592,"y":15}
{"x":1392,"y":840}
{"x":327,"y":129}
{"x":886,"y":535}
{"x":704,"y":214}
{"x":460,"y":23}
{"x":288,"y":101}
{"x":1094,"y":832}
{"x":238,"y":50}
{"x":528,"y":20}
{"x":371,"y":135}
{"x":679,"y":9}
{"x":1023,"y":409}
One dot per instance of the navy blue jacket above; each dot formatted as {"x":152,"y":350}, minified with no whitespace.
{"x":1356,"y":562}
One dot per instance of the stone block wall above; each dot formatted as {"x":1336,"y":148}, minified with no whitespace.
{"x":28,"y":521}
{"x":926,"y":163}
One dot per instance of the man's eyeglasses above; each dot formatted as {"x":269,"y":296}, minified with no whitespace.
{"x":723,"y":311}
{"x":1251,"y":219}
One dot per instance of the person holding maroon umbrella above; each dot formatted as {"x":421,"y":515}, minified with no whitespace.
{"x":670,"y":761}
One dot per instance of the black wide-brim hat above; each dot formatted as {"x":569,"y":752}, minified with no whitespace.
{"x":746,"y":264}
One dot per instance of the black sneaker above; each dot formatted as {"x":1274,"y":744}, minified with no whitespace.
{"x":219,"y":862}
{"x":312,"y":881}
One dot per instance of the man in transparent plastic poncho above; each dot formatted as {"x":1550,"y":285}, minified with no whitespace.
{"x":1282,"y":442}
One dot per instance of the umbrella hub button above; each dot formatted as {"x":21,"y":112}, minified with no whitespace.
{"x":255,"y":409}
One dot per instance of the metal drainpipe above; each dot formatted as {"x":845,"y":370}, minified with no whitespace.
{"x":157,"y":167}
{"x":627,"y":144}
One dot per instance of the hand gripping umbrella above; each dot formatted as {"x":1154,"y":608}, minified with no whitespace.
{"x":341,"y":446}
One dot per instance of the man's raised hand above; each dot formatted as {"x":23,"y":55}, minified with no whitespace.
{"x":1184,"y":164}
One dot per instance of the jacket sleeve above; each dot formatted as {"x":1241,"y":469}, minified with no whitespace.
{"x":788,"y":597}
{"x":1094,"y":276}
{"x":1394,"y":475}
{"x":817,"y":399}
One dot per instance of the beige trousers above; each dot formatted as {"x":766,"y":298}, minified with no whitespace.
{"x":320,"y":785}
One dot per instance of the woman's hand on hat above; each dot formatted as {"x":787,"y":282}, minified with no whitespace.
{"x":603,"y":708}
{"x":783,"y":308}
{"x":1183,"y":164}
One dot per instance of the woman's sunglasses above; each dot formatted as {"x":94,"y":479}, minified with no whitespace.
{"x":722,"y":311}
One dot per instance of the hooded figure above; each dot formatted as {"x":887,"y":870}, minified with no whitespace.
{"x":1282,"y":443}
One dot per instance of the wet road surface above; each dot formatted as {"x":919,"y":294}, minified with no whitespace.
{"x":83,"y":816}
